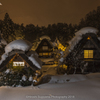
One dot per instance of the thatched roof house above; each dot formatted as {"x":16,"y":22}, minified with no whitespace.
{"x":83,"y":53}
{"x":18,"y":53}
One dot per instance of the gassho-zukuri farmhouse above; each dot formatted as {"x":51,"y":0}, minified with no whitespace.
{"x":52,"y":58}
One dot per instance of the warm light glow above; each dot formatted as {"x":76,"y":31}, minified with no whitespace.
{"x":63,"y":66}
{"x":88,"y":38}
{"x":18,"y":64}
{"x":49,"y":62}
{"x":45,"y":54}
{"x":60,"y":46}
{"x":88,"y":53}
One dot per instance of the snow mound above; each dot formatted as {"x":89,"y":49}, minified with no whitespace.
{"x":45,"y":37}
{"x":93,"y":75}
{"x":78,"y":35}
{"x":18,"y":44}
{"x":67,"y":78}
{"x":30,"y":78}
{"x":24,"y":78}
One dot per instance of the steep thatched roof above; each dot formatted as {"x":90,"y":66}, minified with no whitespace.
{"x":25,"y":57}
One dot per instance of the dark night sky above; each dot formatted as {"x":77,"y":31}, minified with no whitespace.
{"x":44,"y":12}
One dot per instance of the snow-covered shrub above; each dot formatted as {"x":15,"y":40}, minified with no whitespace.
{"x":31,"y":78}
{"x":24,"y":78}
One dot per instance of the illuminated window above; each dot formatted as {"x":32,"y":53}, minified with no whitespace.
{"x":49,"y":62}
{"x":45,"y":54}
{"x":18,"y":64}
{"x":88,"y":53}
{"x":45,"y":47}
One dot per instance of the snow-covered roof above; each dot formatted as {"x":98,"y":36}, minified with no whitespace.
{"x":18,"y":44}
{"x":35,"y":60}
{"x":30,"y":59}
{"x":86,"y":30}
{"x":45,"y":37}
{"x":78,"y":35}
{"x":77,"y":38}
{"x":41,"y":39}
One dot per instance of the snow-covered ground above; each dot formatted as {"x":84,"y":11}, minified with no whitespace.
{"x":66,"y":87}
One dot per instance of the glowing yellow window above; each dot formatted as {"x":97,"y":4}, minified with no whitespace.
{"x":45,"y":54}
{"x":88,"y":53}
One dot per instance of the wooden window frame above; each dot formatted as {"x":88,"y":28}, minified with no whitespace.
{"x":88,"y":54}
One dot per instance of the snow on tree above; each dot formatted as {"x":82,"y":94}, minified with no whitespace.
{"x":31,"y":78}
{"x":7,"y":71}
{"x":24,"y":78}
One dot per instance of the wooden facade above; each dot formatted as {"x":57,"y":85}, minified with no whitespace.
{"x":17,"y":58}
{"x":85,"y":57}
{"x":45,"y":51}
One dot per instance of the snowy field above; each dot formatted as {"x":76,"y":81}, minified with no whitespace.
{"x":66,"y":87}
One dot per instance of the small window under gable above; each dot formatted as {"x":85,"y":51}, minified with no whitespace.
{"x":88,"y":53}
{"x":18,"y":63}
{"x":45,"y":54}
{"x":89,"y":37}
{"x":44,"y":47}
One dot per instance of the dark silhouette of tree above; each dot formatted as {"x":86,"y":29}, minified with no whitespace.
{"x":92,"y":19}
{"x":63,"y":31}
{"x":8,"y":28}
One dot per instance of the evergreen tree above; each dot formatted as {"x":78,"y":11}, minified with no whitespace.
{"x":8,"y":28}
